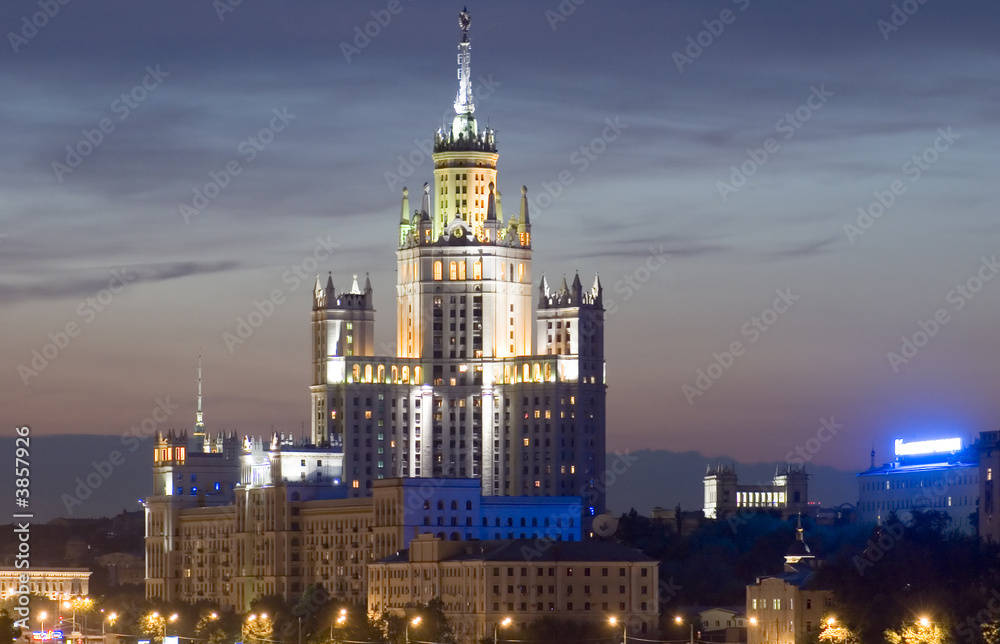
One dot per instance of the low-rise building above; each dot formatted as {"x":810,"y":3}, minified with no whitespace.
{"x":53,"y":583}
{"x":481,"y":583}
{"x":788,"y":608}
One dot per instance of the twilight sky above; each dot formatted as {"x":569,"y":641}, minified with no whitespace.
{"x":827,"y":106}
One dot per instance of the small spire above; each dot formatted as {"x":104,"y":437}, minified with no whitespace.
{"x":499,"y":207}
{"x":597,"y":284}
{"x":491,"y":205}
{"x":404,"y":211}
{"x":523,"y":221}
{"x":355,"y":289}
{"x":425,"y":204}
{"x":199,"y":418}
{"x":329,"y":283}
{"x":368,"y":284}
{"x":563,"y":288}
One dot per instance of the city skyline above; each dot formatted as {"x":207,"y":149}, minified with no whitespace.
{"x":712,"y":169}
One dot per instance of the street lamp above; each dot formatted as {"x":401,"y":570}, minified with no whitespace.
{"x":341,"y":620}
{"x":614,"y":621}
{"x":111,"y":617}
{"x":925,"y":622}
{"x":506,"y":622}
{"x":414,"y":623}
{"x":172,"y":618}
{"x":41,"y":620}
{"x":680,"y":620}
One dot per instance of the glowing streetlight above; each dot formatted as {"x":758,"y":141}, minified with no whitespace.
{"x":414,"y":623}
{"x":614,"y":621}
{"x":753,"y":621}
{"x":925,"y":622}
{"x":505,"y":622}
{"x":680,"y":620}
{"x":41,"y":620}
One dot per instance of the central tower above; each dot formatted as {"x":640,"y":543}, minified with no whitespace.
{"x":467,"y":394}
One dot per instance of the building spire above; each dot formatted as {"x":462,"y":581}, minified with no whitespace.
{"x":199,"y":417}
{"x":464,"y":101}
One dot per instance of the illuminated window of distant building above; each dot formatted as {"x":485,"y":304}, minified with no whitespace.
{"x":356,"y":372}
{"x":354,"y":483}
{"x":461,"y":270}
{"x":416,"y":375}
{"x":437,"y":271}
{"x":368,"y":373}
{"x":527,"y":442}
{"x":406,"y":375}
{"x":477,"y":270}
{"x":381,"y":373}
{"x":520,"y":272}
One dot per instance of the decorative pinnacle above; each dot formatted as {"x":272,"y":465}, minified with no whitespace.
{"x":464,"y":20}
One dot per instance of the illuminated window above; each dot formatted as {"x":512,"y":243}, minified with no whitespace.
{"x":427,"y":236}
{"x":477,"y":270}
{"x":520,"y":272}
{"x":527,"y":373}
{"x":356,"y":372}
{"x":461,"y":270}
{"x":416,"y":375}
{"x":181,"y":455}
{"x":394,"y":373}
{"x":368,"y":373}
{"x":437,"y":271}
{"x":381,"y":373}
{"x":333,"y":414}
{"x":989,"y":473}
{"x":368,"y":413}
{"x":503,"y":269}
{"x":452,"y":271}
{"x":572,"y":469}
{"x":527,"y":442}
{"x":538,"y":483}
{"x":538,"y":413}
{"x":406,"y":374}
{"x":354,"y":483}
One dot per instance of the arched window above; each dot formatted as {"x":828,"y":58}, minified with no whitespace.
{"x":368,"y":373}
{"x":454,"y":505}
{"x":486,"y":522}
{"x":468,"y":505}
{"x":503,"y":270}
{"x":548,"y":371}
{"x":437,"y":271}
{"x":416,"y":375}
{"x":455,"y":536}
{"x":453,"y":271}
{"x":394,"y":373}
{"x":520,"y":271}
{"x":406,"y":375}
{"x":538,"y":372}
{"x":427,"y":505}
{"x":477,"y":270}
{"x":440,"y":505}
{"x":461,"y":270}
{"x":381,"y":372}
{"x":527,"y":372}
{"x":356,"y":372}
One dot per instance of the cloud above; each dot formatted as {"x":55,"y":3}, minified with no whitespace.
{"x":90,"y":281}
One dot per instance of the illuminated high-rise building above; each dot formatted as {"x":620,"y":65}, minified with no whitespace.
{"x":472,"y":391}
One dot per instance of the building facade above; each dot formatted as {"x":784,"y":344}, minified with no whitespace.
{"x":53,"y":583}
{"x":927,"y":475}
{"x":467,"y":394}
{"x":788,"y":608}
{"x":483,"y":583}
{"x":788,"y":492}
{"x":284,"y":530}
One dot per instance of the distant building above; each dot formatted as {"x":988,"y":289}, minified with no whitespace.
{"x":788,"y":492}
{"x":843,"y":513}
{"x":681,"y":522}
{"x":53,"y":583}
{"x":123,"y":568}
{"x":483,"y":583}
{"x":926,"y":475}
{"x":988,"y":449}
{"x":788,"y":608}
{"x":722,"y":624}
